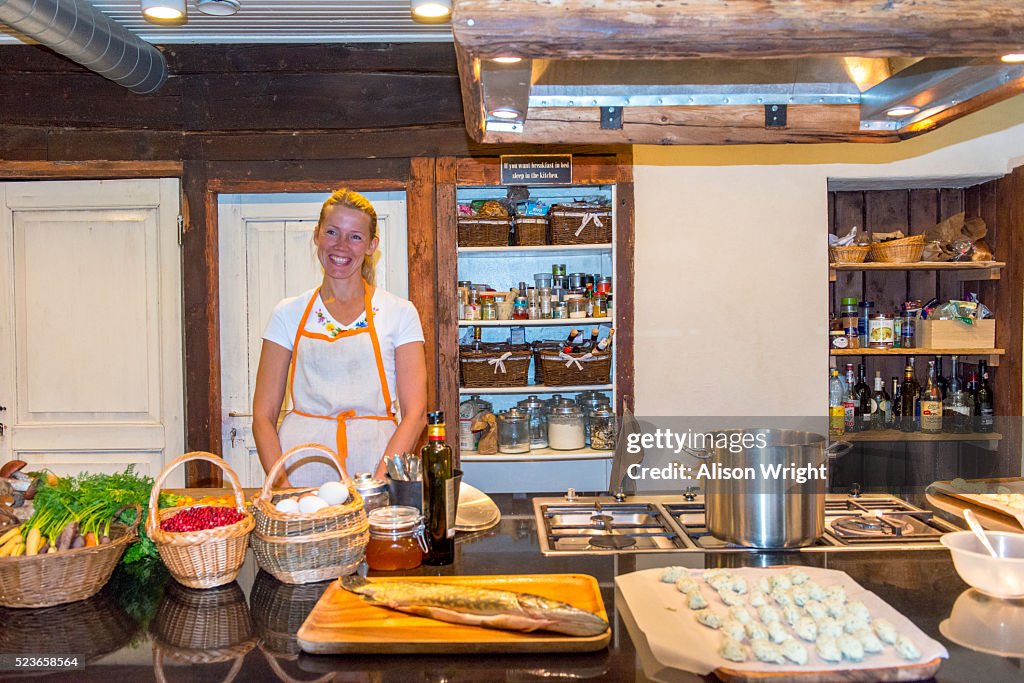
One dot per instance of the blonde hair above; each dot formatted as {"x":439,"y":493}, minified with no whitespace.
{"x":353,"y":200}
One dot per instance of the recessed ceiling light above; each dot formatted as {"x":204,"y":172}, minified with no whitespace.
{"x":431,"y":11}
{"x":507,"y":60}
{"x":218,"y":8}
{"x":902,"y":110}
{"x":1013,"y":58}
{"x":157,"y":11}
{"x":506,"y":113}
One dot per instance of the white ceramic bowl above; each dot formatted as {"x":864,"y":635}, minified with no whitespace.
{"x":1003,"y":576}
{"x":986,"y":624}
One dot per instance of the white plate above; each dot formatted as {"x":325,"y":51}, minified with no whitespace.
{"x":476,"y":510}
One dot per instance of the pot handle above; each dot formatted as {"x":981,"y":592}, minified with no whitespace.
{"x":700,"y":453}
{"x":842,"y":448}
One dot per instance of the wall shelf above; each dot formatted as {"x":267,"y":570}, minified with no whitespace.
{"x":897,"y":435}
{"x":546,"y":322}
{"x":967,"y":270}
{"x":533,"y":389}
{"x":574,"y":249}
{"x":992,"y":354}
{"x":540,"y":455}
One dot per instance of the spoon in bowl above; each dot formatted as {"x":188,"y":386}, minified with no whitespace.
{"x":972,"y":521}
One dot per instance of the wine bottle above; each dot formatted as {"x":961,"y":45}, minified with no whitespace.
{"x":984,"y":404}
{"x":863,"y":394}
{"x":595,"y":332}
{"x":439,"y":495}
{"x":908,"y":401}
{"x":567,"y":347}
{"x":957,"y":406}
{"x":477,"y":334}
{"x":941,"y":381}
{"x":931,"y":404}
{"x":603,"y":344}
{"x":895,"y":408}
{"x":880,"y":405}
{"x":851,"y":405}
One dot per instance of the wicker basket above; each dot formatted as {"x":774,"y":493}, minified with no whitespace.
{"x":484,"y":232}
{"x":904,"y":250}
{"x":495,"y":365}
{"x":580,"y":225}
{"x":200,"y":559}
{"x":66,"y":576}
{"x":531,"y":231}
{"x":278,"y":610}
{"x":853,"y":253}
{"x":326,"y":544}
{"x":539,"y":347}
{"x":569,"y":369}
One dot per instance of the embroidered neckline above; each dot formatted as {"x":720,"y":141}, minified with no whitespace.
{"x":333,"y":328}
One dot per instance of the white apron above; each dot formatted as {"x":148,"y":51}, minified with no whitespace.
{"x":340,"y":399}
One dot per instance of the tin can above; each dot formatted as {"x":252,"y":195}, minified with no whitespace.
{"x":881,"y":331}
{"x":373,"y":491}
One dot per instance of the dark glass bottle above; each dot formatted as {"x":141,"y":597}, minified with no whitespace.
{"x":863,"y":394}
{"x":939,"y":379}
{"x":439,"y":496}
{"x":897,"y":409}
{"x":881,"y":405}
{"x":908,"y":401}
{"x":984,"y":401}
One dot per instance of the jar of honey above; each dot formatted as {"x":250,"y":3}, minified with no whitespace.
{"x":397,"y":539}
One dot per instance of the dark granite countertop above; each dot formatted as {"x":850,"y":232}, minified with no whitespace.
{"x":246,"y":630}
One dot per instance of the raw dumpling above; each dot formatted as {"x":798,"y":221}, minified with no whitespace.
{"x":828,"y":649}
{"x":767,"y":652}
{"x":798,"y":577}
{"x":836,"y":592}
{"x":712,"y":573}
{"x":732,"y":650}
{"x":739,"y":585}
{"x":869,"y":640}
{"x":673,"y":574}
{"x":730,"y":598}
{"x":835,"y":608}
{"x":885,"y":631}
{"x":781,"y":582}
{"x":906,"y":649}
{"x":816,"y":610}
{"x":815,"y":591}
{"x":768,"y":614}
{"x":777,"y":632}
{"x":740,"y":614}
{"x":734,"y":629}
{"x":851,"y":648}
{"x":721,"y":582}
{"x":697,"y":600}
{"x":829,"y":627}
{"x":687,"y":584}
{"x":758,"y":598}
{"x":756,"y":631}
{"x":794,"y":652}
{"x":860,"y":609}
{"x":806,"y":629}
{"x":853,"y":623}
{"x":709,"y":618}
{"x":782,"y":598}
{"x":799,"y":595}
{"x":791,"y":614}
{"x":764,"y":585}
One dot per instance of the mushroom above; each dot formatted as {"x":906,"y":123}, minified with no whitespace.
{"x":9,"y":468}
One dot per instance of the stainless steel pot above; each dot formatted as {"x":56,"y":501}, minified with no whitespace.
{"x":762,"y":511}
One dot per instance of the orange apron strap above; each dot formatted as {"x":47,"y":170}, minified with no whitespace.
{"x":295,"y":345}
{"x":377,"y":354}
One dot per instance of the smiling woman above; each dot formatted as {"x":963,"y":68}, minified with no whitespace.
{"x":360,"y":346}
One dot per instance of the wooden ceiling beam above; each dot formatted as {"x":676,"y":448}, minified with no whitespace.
{"x":677,"y":29}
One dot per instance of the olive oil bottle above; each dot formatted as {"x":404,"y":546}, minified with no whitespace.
{"x":439,"y":495}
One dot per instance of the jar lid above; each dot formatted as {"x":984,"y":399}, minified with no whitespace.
{"x":602,"y":411}
{"x":512,"y":414}
{"x":366,"y":484}
{"x":487,"y":295}
{"x":532,"y":402}
{"x":394,"y":517}
{"x":542,"y":276}
{"x":849,"y":301}
{"x":563,"y":409}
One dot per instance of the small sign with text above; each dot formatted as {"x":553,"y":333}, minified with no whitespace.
{"x":536,"y":169}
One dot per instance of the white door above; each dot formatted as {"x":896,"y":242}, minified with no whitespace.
{"x":267,"y":254}
{"x":90,"y":325}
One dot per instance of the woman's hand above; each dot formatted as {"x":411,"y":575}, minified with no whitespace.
{"x":381,"y":471}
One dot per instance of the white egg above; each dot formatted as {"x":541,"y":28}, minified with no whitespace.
{"x":334,"y":492}
{"x":311,"y":504}
{"x":287,"y":505}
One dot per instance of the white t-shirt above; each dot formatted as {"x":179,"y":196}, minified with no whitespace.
{"x":395,"y":319}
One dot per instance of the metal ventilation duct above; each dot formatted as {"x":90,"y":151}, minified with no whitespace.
{"x":77,"y":30}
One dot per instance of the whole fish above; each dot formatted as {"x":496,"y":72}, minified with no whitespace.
{"x":478,"y":606}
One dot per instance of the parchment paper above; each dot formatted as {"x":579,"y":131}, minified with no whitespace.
{"x":679,"y":641}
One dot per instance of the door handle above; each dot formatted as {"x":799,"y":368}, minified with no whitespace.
{"x":233,"y":434}
{"x":2,"y":428}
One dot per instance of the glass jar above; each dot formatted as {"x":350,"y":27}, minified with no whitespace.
{"x":602,"y":429}
{"x":397,"y":540}
{"x":576,"y":280}
{"x":537,"y":413}
{"x":521,"y":308}
{"x":559,"y":312}
{"x":881,"y":331}
{"x":589,"y":401}
{"x":468,"y":412}
{"x":604,"y":284}
{"x":576,"y":305}
{"x":488,"y":308}
{"x":513,"y":432}
{"x":373,"y":491}
{"x":565,"y":427}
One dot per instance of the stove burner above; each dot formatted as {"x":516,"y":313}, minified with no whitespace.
{"x":613,"y":541}
{"x":602,"y":521}
{"x":860,"y":525}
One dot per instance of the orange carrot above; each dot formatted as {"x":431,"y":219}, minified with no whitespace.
{"x":91,"y":539}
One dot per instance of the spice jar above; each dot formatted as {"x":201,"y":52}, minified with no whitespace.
{"x":565,"y":427}
{"x":560,"y":311}
{"x":576,"y":305}
{"x":373,"y":491}
{"x":521,"y":308}
{"x":537,"y":413}
{"x":397,"y":540}
{"x":513,"y":432}
{"x":602,"y":429}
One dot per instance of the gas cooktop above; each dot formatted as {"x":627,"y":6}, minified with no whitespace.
{"x":573,"y":525}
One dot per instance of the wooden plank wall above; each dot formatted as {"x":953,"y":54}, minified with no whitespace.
{"x":909,"y":466}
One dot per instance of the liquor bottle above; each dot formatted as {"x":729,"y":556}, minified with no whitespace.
{"x":896,"y":409}
{"x":984,"y":402}
{"x":567,"y":347}
{"x":836,"y":417}
{"x":863,"y":393}
{"x":851,"y":405}
{"x":881,"y":407}
{"x":603,"y":344}
{"x":439,"y":501}
{"x":931,"y":404}
{"x":908,"y":401}
{"x":477,"y":334}
{"x":595,"y":332}
{"x":939,"y":379}
{"x":957,"y":406}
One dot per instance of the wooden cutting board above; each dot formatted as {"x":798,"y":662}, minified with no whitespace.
{"x":911,"y":672}
{"x":343,"y":623}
